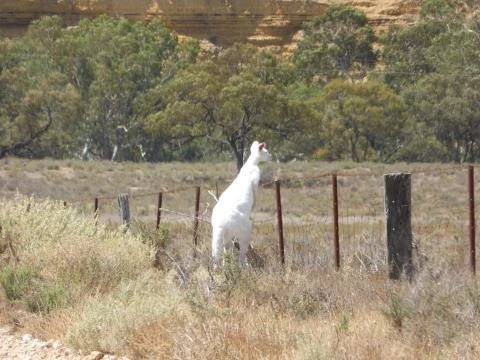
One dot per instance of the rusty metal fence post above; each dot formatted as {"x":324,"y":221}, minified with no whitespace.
{"x":95,"y":211}
{"x":280,"y":222}
{"x":471,"y":203}
{"x":197,"y":212}
{"x":159,"y":209}
{"x":336,"y":239}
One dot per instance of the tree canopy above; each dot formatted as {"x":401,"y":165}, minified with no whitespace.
{"x":109,"y":88}
{"x":336,"y":44}
{"x":225,"y":100}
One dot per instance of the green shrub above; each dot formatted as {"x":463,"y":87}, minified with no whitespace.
{"x":398,"y":311}
{"x":65,"y":247}
{"x":22,"y":284}
{"x":48,"y":297}
{"x":16,"y":281}
{"x":108,"y":321}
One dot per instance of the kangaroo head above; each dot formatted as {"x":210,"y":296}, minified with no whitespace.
{"x":259,"y":150}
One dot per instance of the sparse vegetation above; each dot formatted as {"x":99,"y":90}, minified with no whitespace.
{"x":149,"y":294}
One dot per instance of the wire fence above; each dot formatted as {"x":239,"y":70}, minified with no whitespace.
{"x":305,"y":233}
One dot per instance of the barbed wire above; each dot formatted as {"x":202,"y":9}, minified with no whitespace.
{"x":269,"y":183}
{"x":271,"y":218}
{"x":199,"y":218}
{"x":368,"y":174}
{"x":114,"y":197}
{"x":309,"y":232}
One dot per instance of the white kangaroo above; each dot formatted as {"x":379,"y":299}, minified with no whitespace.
{"x":231,"y":214}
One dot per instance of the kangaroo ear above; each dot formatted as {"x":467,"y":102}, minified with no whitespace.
{"x":261,"y":146}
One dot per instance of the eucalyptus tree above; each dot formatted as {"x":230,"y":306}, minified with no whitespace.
{"x":448,"y":99}
{"x":77,"y":85}
{"x":405,"y":47}
{"x":361,"y":121}
{"x":37,"y":103}
{"x":229,"y":100}
{"x":111,"y":62}
{"x":338,"y":43}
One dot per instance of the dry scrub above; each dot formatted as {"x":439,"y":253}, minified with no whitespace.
{"x":147,"y":294}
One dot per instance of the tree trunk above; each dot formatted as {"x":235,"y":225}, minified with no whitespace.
{"x":238,"y":154}
{"x":239,"y":157}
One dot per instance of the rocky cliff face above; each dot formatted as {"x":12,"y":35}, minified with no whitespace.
{"x":261,"y":22}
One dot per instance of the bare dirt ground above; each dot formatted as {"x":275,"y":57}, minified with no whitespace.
{"x":25,"y":347}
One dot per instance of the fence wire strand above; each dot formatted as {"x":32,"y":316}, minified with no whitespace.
{"x":439,"y":215}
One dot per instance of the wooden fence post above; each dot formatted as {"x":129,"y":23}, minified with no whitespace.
{"x":398,"y":224}
{"x":124,"y":208}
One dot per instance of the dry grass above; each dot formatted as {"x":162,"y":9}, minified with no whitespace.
{"x":151,"y":294}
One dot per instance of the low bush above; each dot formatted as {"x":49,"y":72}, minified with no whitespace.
{"x":23,"y":285}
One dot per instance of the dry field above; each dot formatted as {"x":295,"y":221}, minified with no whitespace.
{"x":149,"y":293}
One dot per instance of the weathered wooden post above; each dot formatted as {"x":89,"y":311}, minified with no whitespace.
{"x":398,"y":212}
{"x":124,"y":208}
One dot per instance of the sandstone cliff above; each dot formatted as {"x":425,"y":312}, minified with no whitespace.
{"x":262,"y":22}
